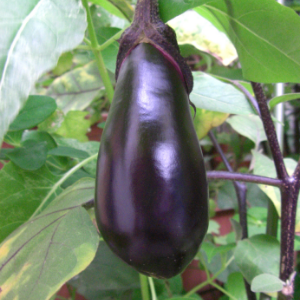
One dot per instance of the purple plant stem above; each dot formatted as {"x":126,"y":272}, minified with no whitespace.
{"x":270,"y":131}
{"x":224,"y":175}
{"x":241,"y":192}
{"x":289,"y":195}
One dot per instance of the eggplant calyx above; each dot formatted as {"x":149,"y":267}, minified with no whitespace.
{"x":147,"y":27}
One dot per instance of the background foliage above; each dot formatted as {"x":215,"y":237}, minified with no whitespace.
{"x":51,"y":95}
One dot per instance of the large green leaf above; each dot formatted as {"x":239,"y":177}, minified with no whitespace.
{"x":107,"y":276}
{"x":21,"y":192}
{"x":212,"y":94}
{"x":249,"y":126}
{"x":169,"y":9}
{"x":40,"y":256}
{"x":33,"y":35}
{"x":256,"y":255}
{"x":266,"y":36}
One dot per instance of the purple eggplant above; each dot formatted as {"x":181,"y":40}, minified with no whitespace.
{"x":151,"y":189}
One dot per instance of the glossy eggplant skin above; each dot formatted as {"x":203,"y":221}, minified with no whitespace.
{"x":151,"y":189}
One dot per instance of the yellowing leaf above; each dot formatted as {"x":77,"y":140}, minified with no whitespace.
{"x":205,"y":120}
{"x":264,"y":166}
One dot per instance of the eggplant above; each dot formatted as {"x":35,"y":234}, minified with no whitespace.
{"x":151,"y":201}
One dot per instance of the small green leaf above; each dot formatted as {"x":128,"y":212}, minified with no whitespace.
{"x":256,"y":255}
{"x":109,"y":7}
{"x":90,"y":147}
{"x":212,"y":250}
{"x":68,"y":152}
{"x":64,"y":64}
{"x":266,"y":283}
{"x":39,"y":136}
{"x":124,"y":7}
{"x":284,"y":98}
{"x":213,"y":227}
{"x":214,"y":95}
{"x":171,"y":9}
{"x":249,"y":126}
{"x":31,"y":156}
{"x":236,"y":287}
{"x":50,"y":249}
{"x":75,"y":126}
{"x":36,"y":110}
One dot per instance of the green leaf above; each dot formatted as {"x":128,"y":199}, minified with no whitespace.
{"x":75,"y":126}
{"x":182,"y":298}
{"x":90,"y":147}
{"x":212,"y":94}
{"x":110,"y":53}
{"x":256,"y":255}
{"x":170,"y":9}
{"x":107,"y":276}
{"x":226,"y":73}
{"x":52,"y":123}
{"x":213,"y":227}
{"x":205,"y":120}
{"x":236,"y":287}
{"x":273,"y":49}
{"x":33,"y":36}
{"x":64,"y":64}
{"x":31,"y":156}
{"x":208,"y":15}
{"x":36,"y":110}
{"x":266,"y":283}
{"x":119,"y":8}
{"x":20,"y":194}
{"x":124,"y":7}
{"x":39,"y":136}
{"x":249,"y":126}
{"x":284,"y":98}
{"x":212,"y":250}
{"x":51,"y":248}
{"x":68,"y":152}
{"x":76,"y":89}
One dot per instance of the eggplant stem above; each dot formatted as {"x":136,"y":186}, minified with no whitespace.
{"x":144,"y":287}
